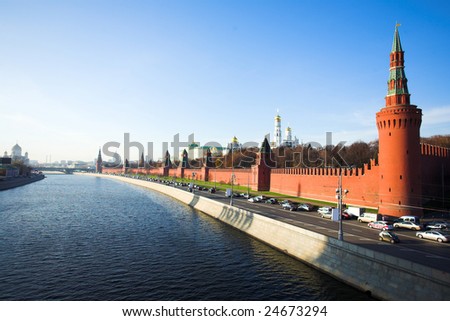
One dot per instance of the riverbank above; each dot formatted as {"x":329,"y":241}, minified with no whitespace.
{"x":19,"y":181}
{"x":383,"y":276}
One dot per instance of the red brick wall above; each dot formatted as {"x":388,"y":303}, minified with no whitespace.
{"x":321,"y":184}
{"x":435,"y":168}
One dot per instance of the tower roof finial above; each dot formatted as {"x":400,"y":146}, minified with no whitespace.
{"x":396,"y":44}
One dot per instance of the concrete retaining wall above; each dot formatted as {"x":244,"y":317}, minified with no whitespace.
{"x":384,"y":276}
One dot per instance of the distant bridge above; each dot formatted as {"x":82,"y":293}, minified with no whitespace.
{"x":64,"y":170}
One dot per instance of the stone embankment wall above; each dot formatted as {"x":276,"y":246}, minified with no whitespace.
{"x":19,"y":181}
{"x":384,"y":276}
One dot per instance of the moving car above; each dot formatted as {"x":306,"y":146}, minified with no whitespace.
{"x":433,"y":235}
{"x":408,"y":225}
{"x":381,"y":225}
{"x":387,"y":236}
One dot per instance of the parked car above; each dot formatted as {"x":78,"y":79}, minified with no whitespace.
{"x":253,"y":200}
{"x":369,"y":217}
{"x":244,"y":195}
{"x":324,"y":210}
{"x":347,"y":216}
{"x":271,"y":201}
{"x":437,"y":225}
{"x":433,"y":235}
{"x":212,"y":190}
{"x":305,"y":207}
{"x":410,"y":218}
{"x":387,"y":236}
{"x":408,"y":225}
{"x":381,"y":225}
{"x":328,"y":215}
{"x":289,"y":206}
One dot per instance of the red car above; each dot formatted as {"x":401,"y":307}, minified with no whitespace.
{"x":381,"y":225}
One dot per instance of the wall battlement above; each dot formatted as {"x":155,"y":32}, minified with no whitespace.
{"x":433,"y":150}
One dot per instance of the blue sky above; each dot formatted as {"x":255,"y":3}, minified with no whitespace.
{"x":75,"y":75}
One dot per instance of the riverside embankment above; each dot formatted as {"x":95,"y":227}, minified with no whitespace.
{"x":383,"y":276}
{"x":19,"y":181}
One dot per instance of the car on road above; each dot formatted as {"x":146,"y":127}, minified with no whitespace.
{"x":253,"y":200}
{"x":437,"y":225}
{"x":271,"y":201}
{"x":289,"y":206}
{"x":305,"y":207}
{"x":212,"y":190}
{"x":408,"y":225}
{"x":324,"y":210}
{"x":346,"y":216}
{"x":244,"y":195}
{"x":328,"y":215}
{"x":388,"y":236}
{"x":433,"y":235}
{"x":381,"y":225}
{"x":261,"y":198}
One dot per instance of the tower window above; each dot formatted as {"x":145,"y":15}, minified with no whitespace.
{"x":389,"y":133}
{"x":399,"y":203}
{"x":401,"y":177}
{"x":389,"y":189}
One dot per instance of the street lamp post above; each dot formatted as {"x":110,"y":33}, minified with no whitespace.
{"x":248,"y":185}
{"x":339,"y":196}
{"x":232,"y":177}
{"x":193,"y":177}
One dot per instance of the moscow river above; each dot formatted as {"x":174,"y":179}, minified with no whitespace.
{"x":71,"y":237}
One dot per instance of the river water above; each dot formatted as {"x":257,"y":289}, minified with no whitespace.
{"x":71,"y":237}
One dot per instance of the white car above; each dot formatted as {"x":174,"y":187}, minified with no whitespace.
{"x":433,"y":235}
{"x":408,"y":225}
{"x":381,"y":225}
{"x":324,"y":210}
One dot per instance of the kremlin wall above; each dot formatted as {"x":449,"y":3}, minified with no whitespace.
{"x":408,"y":177}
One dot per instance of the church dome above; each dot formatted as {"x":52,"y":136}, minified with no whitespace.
{"x":234,"y":140}
{"x":16,"y":150}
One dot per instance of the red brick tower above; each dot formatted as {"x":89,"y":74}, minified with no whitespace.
{"x":398,"y":123}
{"x":99,"y":163}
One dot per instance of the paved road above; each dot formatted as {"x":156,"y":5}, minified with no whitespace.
{"x":425,"y":252}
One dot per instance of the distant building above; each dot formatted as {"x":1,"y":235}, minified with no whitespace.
{"x":278,"y":141}
{"x":196,"y":151}
{"x":16,"y":155}
{"x":233,"y":145}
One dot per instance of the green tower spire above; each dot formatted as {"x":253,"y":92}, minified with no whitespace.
{"x":397,"y":82}
{"x":396,"y":44}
